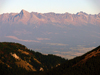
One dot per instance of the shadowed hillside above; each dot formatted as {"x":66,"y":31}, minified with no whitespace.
{"x":17,"y":59}
{"x":87,"y":64}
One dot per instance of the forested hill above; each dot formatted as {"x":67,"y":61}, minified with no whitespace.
{"x":18,"y":59}
{"x":87,"y":64}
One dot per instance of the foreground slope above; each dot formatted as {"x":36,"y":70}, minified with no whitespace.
{"x":15,"y":57}
{"x":87,"y":64}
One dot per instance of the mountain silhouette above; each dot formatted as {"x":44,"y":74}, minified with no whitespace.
{"x":25,"y":17}
{"x":87,"y":64}
{"x":16,"y":59}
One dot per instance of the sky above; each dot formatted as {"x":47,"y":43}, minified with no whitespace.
{"x":45,"y":6}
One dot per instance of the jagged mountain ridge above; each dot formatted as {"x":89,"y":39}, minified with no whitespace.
{"x":51,"y":32}
{"x":27,"y":18}
{"x":16,"y":56}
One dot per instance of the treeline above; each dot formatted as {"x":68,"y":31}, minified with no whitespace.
{"x":46,"y":61}
{"x":89,"y":67}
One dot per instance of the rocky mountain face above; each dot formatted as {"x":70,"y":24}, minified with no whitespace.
{"x":15,"y":57}
{"x":27,"y":18}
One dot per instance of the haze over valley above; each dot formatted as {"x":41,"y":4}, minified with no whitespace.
{"x":66,"y":35}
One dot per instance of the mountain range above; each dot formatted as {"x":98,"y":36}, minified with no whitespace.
{"x":66,"y":35}
{"x":24,"y":17}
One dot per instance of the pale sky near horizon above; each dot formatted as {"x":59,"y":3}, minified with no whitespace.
{"x":45,"y":6}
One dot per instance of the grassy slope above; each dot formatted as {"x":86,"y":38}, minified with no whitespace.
{"x":33,"y":59}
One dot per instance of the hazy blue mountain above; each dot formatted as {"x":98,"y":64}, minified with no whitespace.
{"x":67,"y":35}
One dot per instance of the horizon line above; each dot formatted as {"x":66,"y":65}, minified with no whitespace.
{"x":49,"y":12}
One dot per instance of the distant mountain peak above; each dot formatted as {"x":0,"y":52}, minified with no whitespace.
{"x":99,"y":14}
{"x":24,"y":14}
{"x":46,"y":18}
{"x":81,"y":13}
{"x":23,"y":11}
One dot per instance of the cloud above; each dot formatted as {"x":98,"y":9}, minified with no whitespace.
{"x":42,"y":38}
{"x":68,"y":54}
{"x":15,"y":38}
{"x":47,"y":32}
{"x":22,"y":32}
{"x":37,"y":49}
{"x":65,"y":56}
{"x":57,"y":44}
{"x":75,"y":51}
{"x":81,"y":48}
{"x":56,"y":51}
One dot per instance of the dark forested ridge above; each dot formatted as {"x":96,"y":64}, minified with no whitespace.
{"x":87,"y":64}
{"x":17,"y":59}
